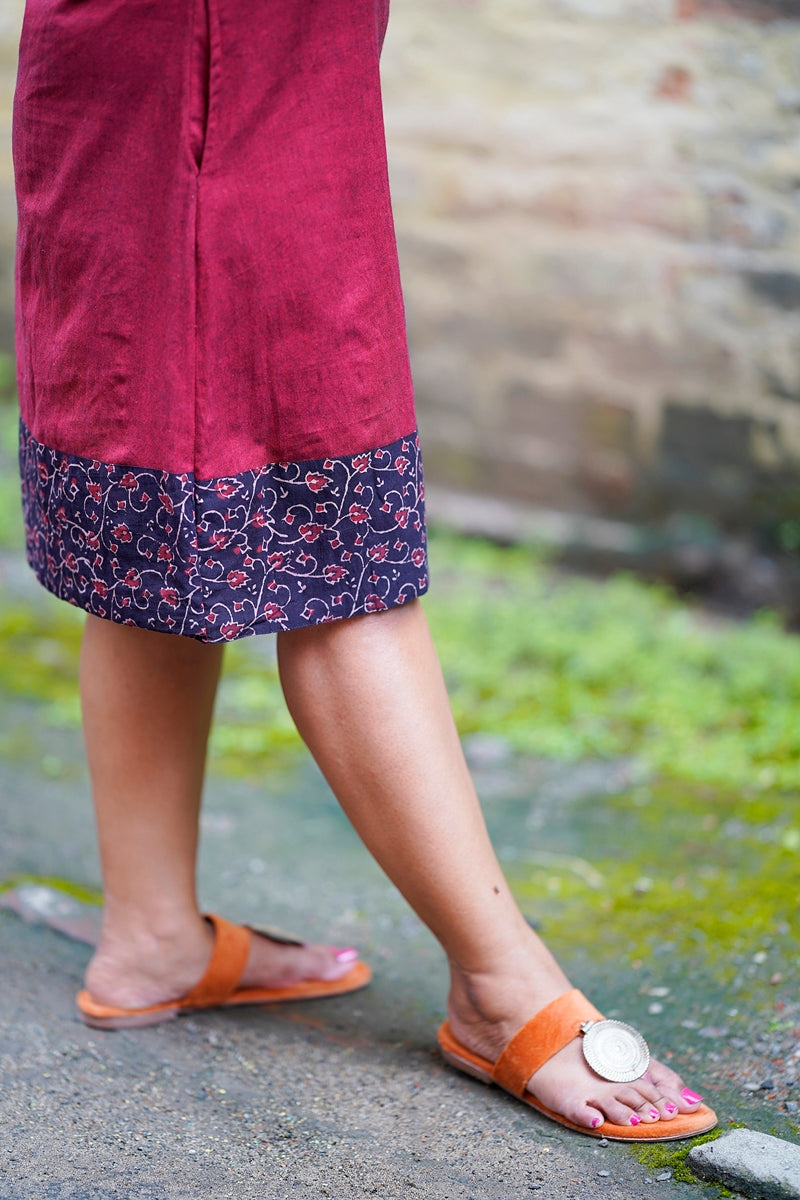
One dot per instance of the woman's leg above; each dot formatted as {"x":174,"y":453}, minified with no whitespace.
{"x":147,"y":701}
{"x":368,"y":697}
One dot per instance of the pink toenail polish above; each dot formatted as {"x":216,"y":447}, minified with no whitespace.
{"x":348,"y":955}
{"x":691,"y":1097}
{"x":655,"y":1114}
{"x":673,"y":1108}
{"x":596,"y":1122}
{"x":634,"y":1120}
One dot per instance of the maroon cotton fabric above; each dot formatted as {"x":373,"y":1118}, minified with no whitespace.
{"x":218,"y":433}
{"x":207,"y":274}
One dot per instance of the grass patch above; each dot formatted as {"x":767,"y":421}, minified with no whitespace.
{"x":11,"y":535}
{"x":559,"y":666}
{"x":253,"y":733}
{"x":39,"y":658}
{"x":568,"y":668}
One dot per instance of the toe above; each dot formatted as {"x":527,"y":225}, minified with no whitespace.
{"x":325,"y":962}
{"x":674,"y":1096}
{"x":639,"y":1092}
{"x":667,"y":1108}
{"x":643,"y":1098}
{"x":619,"y":1113}
{"x":277,"y":964}
{"x":337,"y":961}
{"x":585,"y":1115}
{"x":636,"y":1104}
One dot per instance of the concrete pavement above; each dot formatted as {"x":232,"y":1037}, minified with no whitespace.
{"x":341,"y":1098}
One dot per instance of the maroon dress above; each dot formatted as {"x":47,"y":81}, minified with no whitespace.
{"x":218,"y":432}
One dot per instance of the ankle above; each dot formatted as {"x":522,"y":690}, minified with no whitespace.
{"x":489,"y":997}
{"x":522,"y":957}
{"x":137,"y":963}
{"x":506,"y":991}
{"x":150,"y":931}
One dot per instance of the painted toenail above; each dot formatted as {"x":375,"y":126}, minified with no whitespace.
{"x":691,"y":1097}
{"x":348,"y":955}
{"x":655,"y":1114}
{"x":596,"y":1121}
{"x":634,"y":1120}
{"x":673,"y":1108}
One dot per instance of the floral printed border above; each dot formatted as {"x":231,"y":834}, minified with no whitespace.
{"x":280,"y":547}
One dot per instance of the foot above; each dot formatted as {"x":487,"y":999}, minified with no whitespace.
{"x":485,"y":1011}
{"x":148,"y":968}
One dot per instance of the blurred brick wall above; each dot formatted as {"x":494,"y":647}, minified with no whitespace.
{"x":598,"y":204}
{"x":598,"y":210}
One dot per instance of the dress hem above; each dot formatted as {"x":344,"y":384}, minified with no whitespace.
{"x":283,"y":546}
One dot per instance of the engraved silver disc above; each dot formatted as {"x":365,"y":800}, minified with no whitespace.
{"x":615,"y":1050}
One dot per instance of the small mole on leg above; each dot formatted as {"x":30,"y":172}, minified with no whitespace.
{"x":496,"y":890}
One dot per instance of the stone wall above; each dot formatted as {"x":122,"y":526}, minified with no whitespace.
{"x":598,"y":204}
{"x":598,"y":211}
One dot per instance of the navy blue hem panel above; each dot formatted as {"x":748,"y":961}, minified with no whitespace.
{"x":283,"y":546}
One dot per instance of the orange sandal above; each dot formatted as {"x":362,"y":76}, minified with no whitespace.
{"x":552,"y":1028}
{"x":218,"y":987}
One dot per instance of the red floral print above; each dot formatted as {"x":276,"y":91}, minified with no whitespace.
{"x":170,"y":552}
{"x":310,"y":532}
{"x":333,"y":572}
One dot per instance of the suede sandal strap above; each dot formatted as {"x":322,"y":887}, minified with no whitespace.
{"x":544,"y":1035}
{"x":228,"y":960}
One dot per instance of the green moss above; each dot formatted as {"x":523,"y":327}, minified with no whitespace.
{"x":11,"y":537}
{"x":39,"y":659}
{"x":7,"y":378}
{"x":78,"y":891}
{"x":666,"y":1156}
{"x":711,"y":875}
{"x":253,"y":733}
{"x":567,"y":667}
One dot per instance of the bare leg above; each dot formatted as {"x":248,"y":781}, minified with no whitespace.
{"x":147,"y":702}
{"x":368,"y":697}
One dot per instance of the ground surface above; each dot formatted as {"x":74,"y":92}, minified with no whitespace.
{"x":672,"y":906}
{"x":343,"y":1098}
